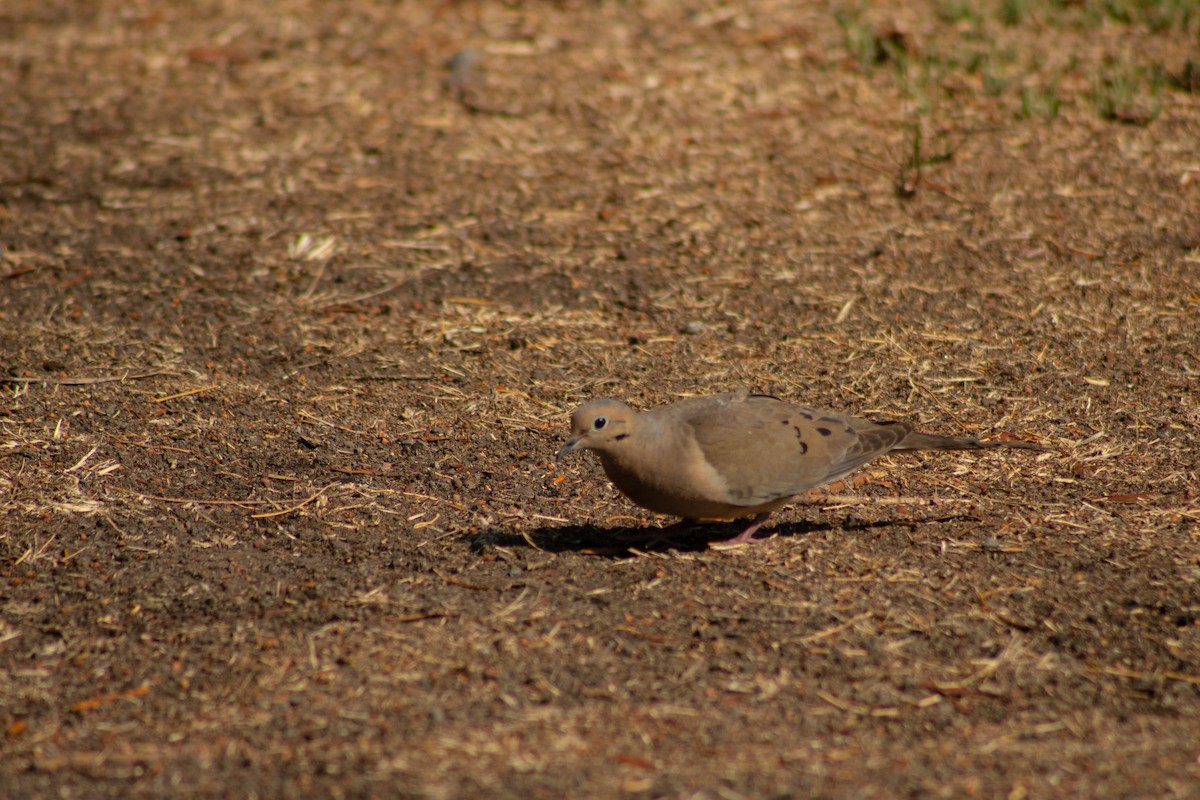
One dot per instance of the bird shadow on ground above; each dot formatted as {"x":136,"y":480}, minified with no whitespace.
{"x":628,"y":540}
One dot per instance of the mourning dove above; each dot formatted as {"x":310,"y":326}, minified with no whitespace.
{"x":737,"y":455}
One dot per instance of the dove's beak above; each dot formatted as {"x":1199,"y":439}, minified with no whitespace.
{"x":571,"y":444}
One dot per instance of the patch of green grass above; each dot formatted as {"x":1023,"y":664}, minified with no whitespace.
{"x":954,"y":12}
{"x":1039,"y":101}
{"x":994,"y":83}
{"x":995,"y":68}
{"x":858,"y":36}
{"x":975,"y":61}
{"x":869,"y":46}
{"x":930,"y":72}
{"x":1128,"y":93}
{"x":1158,"y":15}
{"x":1015,"y":12}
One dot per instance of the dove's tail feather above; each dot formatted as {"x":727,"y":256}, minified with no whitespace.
{"x":933,"y":441}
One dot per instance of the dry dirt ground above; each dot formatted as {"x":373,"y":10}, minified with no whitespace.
{"x":292,"y":314}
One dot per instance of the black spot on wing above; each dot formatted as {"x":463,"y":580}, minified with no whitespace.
{"x":800,"y":439}
{"x":824,"y":431}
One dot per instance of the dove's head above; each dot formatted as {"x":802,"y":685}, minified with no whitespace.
{"x":599,"y":425}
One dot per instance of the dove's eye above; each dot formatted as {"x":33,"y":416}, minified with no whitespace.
{"x":599,"y":423}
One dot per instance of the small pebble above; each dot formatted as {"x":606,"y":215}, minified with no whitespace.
{"x":694,"y":327}
{"x":462,"y":71}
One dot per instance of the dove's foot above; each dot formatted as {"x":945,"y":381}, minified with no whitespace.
{"x":746,"y":536}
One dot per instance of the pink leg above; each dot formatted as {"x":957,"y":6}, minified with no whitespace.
{"x":747,"y":536}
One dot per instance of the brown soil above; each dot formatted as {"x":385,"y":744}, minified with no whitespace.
{"x":292,"y":315}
